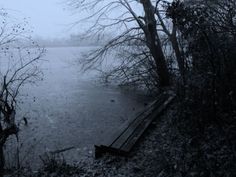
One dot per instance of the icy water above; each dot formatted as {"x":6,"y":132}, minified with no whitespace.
{"x":70,"y":109}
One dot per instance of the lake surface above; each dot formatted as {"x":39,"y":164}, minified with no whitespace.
{"x":70,"y":109}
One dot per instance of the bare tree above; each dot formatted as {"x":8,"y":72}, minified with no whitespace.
{"x":171,"y":33}
{"x":19,"y":57}
{"x":137,"y":26}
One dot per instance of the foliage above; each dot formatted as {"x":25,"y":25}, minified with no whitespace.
{"x":207,"y":100}
{"x":210,"y":40}
{"x":55,"y":165}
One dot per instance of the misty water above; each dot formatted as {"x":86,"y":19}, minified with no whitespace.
{"x":70,"y":109}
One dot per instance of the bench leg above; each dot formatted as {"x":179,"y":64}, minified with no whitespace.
{"x":98,"y":152}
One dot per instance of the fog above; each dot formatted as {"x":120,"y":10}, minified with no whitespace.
{"x":54,"y":19}
{"x":49,"y":19}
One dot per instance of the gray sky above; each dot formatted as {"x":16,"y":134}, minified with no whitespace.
{"x":47,"y":17}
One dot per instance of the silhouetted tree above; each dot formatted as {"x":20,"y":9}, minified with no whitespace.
{"x":208,"y":27}
{"x":134,"y":29}
{"x":18,"y":67}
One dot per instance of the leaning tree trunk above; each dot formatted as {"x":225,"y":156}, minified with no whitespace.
{"x":154,"y":44}
{"x":178,"y":54}
{"x":174,"y":43}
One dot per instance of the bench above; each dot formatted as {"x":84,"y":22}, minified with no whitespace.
{"x":124,"y":138}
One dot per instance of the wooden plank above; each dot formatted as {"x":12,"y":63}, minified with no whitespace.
{"x":122,"y":141}
{"x":125,"y":134}
{"x":132,"y":127}
{"x":105,"y":146}
{"x":113,"y":137}
{"x":127,"y":146}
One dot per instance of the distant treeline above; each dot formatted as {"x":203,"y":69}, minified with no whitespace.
{"x":74,"y":40}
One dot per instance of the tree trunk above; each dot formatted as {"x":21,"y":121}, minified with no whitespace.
{"x":179,"y":56}
{"x":174,"y":43}
{"x":2,"y":161}
{"x":154,"y":44}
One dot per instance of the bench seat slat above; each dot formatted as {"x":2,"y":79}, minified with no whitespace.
{"x":127,"y":146}
{"x":118,"y":143}
{"x":114,"y":136}
{"x":122,"y":141}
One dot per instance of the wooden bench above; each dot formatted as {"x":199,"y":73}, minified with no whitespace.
{"x":125,"y":137}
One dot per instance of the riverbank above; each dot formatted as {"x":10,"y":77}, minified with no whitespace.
{"x":164,"y":151}
{"x":146,"y":159}
{"x":68,"y":108}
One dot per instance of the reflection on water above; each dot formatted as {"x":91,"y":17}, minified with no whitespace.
{"x":68,"y":108}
